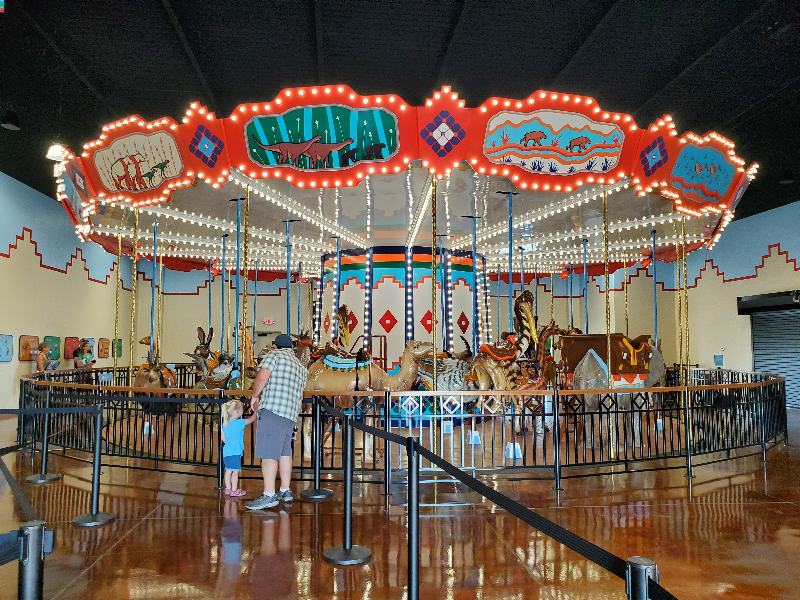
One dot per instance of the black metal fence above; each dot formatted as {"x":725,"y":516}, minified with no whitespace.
{"x":545,"y":433}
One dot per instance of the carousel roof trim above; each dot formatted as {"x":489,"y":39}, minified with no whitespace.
{"x":142,"y":162}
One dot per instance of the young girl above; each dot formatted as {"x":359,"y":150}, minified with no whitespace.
{"x":233,"y":437}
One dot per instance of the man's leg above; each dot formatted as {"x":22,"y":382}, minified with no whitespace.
{"x":269,"y":470}
{"x":286,"y":473}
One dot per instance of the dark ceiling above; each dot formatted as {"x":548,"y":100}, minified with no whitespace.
{"x":69,"y":66}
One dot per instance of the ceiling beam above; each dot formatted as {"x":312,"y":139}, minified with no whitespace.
{"x":587,"y":43}
{"x":173,"y":18}
{"x":708,"y":51}
{"x":454,"y":32}
{"x":66,"y":59}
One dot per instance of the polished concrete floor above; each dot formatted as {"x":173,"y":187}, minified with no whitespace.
{"x":734,"y":535}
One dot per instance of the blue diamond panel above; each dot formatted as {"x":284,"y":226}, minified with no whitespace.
{"x":653,"y":156}
{"x":206,"y":146}
{"x":443,"y":133}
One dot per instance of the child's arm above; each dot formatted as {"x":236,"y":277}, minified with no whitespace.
{"x":251,"y":419}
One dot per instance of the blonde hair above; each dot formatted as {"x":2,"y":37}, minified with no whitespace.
{"x":228,"y":409}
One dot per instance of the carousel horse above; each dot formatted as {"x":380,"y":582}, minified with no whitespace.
{"x":335,"y":376}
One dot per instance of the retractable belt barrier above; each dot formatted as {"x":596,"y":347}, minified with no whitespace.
{"x":639,"y":573}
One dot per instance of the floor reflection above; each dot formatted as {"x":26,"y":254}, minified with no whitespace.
{"x":176,"y":537}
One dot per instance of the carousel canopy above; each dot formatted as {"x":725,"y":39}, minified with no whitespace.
{"x":364,"y":169}
{"x":730,"y":66}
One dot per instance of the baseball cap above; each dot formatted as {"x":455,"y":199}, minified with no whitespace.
{"x":283,"y":341}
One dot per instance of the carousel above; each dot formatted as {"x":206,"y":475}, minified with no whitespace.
{"x":413,"y":244}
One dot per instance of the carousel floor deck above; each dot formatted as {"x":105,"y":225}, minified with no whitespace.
{"x":734,"y":535}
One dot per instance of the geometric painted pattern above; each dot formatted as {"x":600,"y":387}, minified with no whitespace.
{"x":463,"y":323}
{"x":443,"y":133}
{"x":387,"y":321}
{"x":427,"y":321}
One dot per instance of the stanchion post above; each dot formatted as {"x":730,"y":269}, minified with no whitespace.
{"x":687,"y":431}
{"x":760,"y":392}
{"x":33,"y":538}
{"x":413,"y":519}
{"x":94,"y":517}
{"x":347,"y":553}
{"x":387,"y":446}
{"x":640,"y":570}
{"x":44,"y":476}
{"x":556,"y":443}
{"x":220,"y":467}
{"x":317,"y":492}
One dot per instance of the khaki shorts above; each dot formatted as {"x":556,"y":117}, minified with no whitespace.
{"x":273,"y":435}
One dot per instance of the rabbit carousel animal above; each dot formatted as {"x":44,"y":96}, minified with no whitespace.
{"x":215,"y":367}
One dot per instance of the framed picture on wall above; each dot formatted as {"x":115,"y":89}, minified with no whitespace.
{"x":102,"y":347}
{"x":70,"y":344}
{"x":28,"y":347}
{"x":92,"y":347}
{"x":55,"y":346}
{"x":6,"y":347}
{"x":118,"y":348}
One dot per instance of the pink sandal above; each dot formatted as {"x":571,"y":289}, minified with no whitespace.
{"x":228,"y":491}
{"x":238,"y":492}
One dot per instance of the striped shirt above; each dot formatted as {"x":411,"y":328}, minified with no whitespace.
{"x":283,"y":392}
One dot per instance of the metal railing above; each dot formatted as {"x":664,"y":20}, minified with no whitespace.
{"x":639,"y":573}
{"x":550,"y":434}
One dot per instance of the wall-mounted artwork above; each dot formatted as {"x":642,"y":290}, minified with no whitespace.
{"x":91,"y":345}
{"x":28,"y":347}
{"x":70,"y":344}
{"x":6,"y":347}
{"x":103,"y":348}
{"x":118,"y":348}
{"x":55,"y":346}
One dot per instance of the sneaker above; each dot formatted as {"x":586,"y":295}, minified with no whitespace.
{"x":286,"y":496}
{"x":263,"y":501}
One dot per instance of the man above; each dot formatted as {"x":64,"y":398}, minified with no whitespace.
{"x":277,"y":398}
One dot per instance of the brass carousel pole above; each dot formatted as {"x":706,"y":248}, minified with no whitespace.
{"x":625,"y":284}
{"x":680,"y":301}
{"x":685,"y":298}
{"x":246,"y":271}
{"x":433,"y":309}
{"x":228,"y":313}
{"x":116,"y":305}
{"x":160,"y":318}
{"x":133,"y":292}
{"x":613,"y":452}
{"x":552,"y":295}
{"x":608,"y":305}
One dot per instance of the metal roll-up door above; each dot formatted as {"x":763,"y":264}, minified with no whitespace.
{"x":776,"y":348}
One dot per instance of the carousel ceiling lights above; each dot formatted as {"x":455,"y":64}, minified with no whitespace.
{"x":295,"y":208}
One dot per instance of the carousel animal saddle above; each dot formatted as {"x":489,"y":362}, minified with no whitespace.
{"x":333,"y":362}
{"x":337,"y":351}
{"x":628,"y":356}
{"x":504,"y":350}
